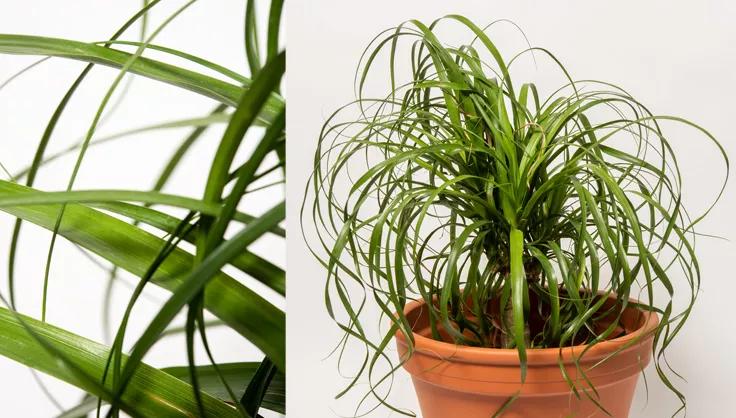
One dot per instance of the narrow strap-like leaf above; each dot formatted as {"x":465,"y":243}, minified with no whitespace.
{"x":245,"y":113}
{"x":150,"y":392}
{"x":208,"y":86}
{"x":195,"y":283}
{"x":518,"y":289}
{"x":133,"y":249}
{"x":258,"y":386}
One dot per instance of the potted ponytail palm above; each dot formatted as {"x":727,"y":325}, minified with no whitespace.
{"x":520,"y":245}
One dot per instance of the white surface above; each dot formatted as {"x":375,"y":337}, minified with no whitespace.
{"x":676,"y":57}
{"x":212,"y":30}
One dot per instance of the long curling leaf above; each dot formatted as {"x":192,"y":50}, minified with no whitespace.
{"x":257,"y":388}
{"x":46,"y":137}
{"x":239,"y":375}
{"x":252,"y":49}
{"x":195,"y":282}
{"x":216,"y":89}
{"x":244,"y":115}
{"x":133,"y":249}
{"x":90,"y":132}
{"x":150,"y":392}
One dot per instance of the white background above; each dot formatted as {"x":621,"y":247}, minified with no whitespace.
{"x":209,"y":29}
{"x":676,"y":57}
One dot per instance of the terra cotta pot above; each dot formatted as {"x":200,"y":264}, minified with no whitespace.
{"x":454,"y":381}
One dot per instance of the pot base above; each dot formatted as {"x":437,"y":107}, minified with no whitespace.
{"x":438,"y":402}
{"x":454,"y":381}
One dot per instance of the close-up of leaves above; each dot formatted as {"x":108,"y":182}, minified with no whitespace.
{"x":512,"y":212}
{"x":197,"y":250}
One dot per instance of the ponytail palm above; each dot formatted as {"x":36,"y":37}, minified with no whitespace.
{"x":514,"y":215}
{"x":201,"y":257}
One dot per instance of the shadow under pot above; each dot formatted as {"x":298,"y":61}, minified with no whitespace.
{"x":453,"y":381}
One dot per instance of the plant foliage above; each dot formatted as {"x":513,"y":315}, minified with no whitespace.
{"x":133,"y":230}
{"x":496,"y":204}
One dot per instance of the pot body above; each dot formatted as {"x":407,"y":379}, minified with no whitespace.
{"x":454,"y":381}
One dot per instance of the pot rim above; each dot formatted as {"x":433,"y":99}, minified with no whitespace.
{"x":633,"y":339}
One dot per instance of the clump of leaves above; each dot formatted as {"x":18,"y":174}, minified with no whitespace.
{"x":133,"y":230}
{"x":513,"y":216}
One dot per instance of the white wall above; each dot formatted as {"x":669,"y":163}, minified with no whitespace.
{"x":677,"y":57}
{"x":210,"y":29}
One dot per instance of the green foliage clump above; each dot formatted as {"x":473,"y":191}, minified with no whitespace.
{"x":513,"y":215}
{"x":135,"y":231}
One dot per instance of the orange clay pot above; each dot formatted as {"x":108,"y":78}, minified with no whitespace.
{"x":454,"y":381}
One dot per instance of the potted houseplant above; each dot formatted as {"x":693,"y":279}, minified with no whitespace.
{"x":520,"y":245}
{"x":199,"y":249}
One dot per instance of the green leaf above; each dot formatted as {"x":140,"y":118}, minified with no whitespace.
{"x":258,"y":267}
{"x":133,"y":249}
{"x":196,"y":281}
{"x":274,"y":26}
{"x":238,"y":375}
{"x":252,"y":49}
{"x":104,"y":197}
{"x":150,"y":393}
{"x":257,"y":388}
{"x":199,"y":123}
{"x":49,"y":130}
{"x":518,"y":290}
{"x":208,"y":86}
{"x":244,"y":115}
